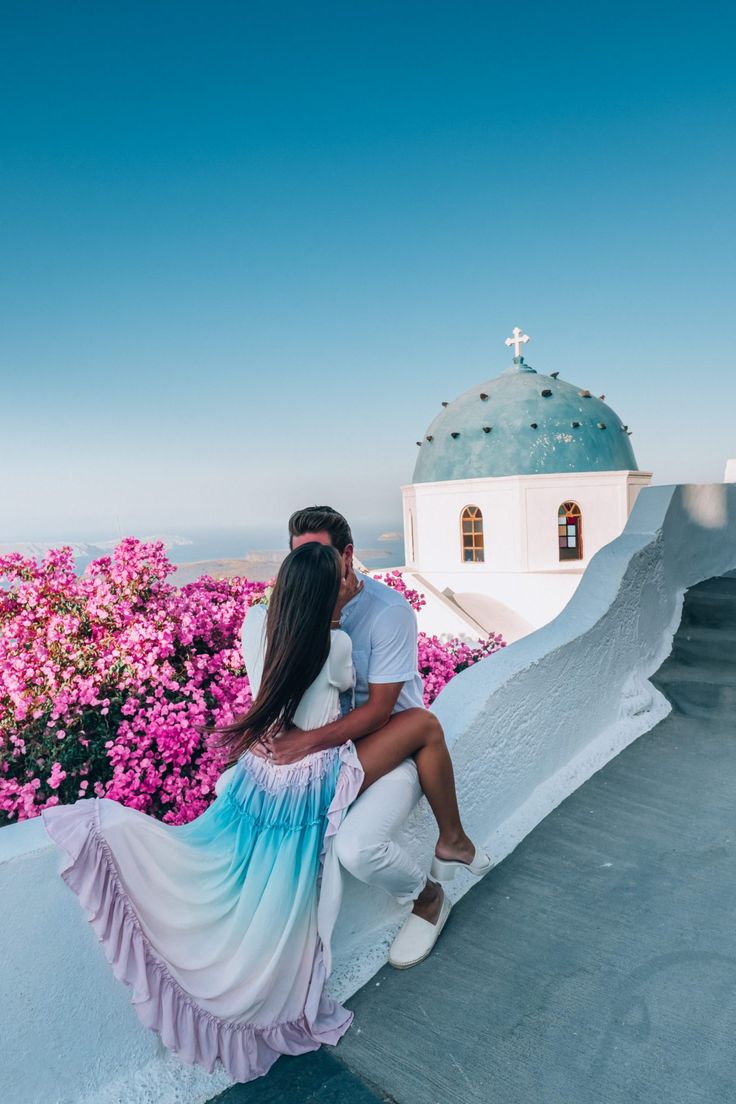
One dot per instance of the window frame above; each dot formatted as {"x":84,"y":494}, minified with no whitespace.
{"x":567,"y":510}
{"x":476,"y":533}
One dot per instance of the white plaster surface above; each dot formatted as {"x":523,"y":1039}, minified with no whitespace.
{"x":496,"y":616}
{"x":534,"y":597}
{"x":440,"y":616}
{"x":519,"y":519}
{"x":526,"y":727}
{"x":522,"y":576}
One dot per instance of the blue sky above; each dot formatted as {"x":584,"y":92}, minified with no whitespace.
{"x":247,"y":249}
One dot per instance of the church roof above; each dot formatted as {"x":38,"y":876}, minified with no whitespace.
{"x":523,"y":423}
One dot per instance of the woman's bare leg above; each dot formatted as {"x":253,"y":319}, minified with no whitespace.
{"x":418,"y":733}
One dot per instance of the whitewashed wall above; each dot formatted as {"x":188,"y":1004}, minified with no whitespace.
{"x":519,"y":520}
{"x":411,"y":544}
{"x":67,"y":1031}
{"x":534,"y":596}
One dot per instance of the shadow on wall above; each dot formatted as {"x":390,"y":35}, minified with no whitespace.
{"x":493,"y":615}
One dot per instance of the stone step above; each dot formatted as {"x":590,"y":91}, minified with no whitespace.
{"x":720,"y":584}
{"x":698,"y":644}
{"x":716,"y":670}
{"x":697,"y":697}
{"x":709,"y":608}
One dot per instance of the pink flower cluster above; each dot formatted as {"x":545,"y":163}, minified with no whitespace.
{"x":396,"y":581}
{"x":107,"y":678}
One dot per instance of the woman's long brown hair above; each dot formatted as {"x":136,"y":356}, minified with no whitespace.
{"x":297,"y":645}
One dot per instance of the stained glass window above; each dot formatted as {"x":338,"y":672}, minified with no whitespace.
{"x":471,"y":525}
{"x":569,"y":531}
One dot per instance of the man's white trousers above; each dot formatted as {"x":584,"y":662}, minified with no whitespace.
{"x":365,"y":843}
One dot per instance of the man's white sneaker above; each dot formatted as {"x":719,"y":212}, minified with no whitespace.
{"x":444,"y":870}
{"x":417,"y":938}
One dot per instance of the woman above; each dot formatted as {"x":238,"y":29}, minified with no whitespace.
{"x":222,"y":926}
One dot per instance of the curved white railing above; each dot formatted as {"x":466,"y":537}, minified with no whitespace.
{"x":526,"y":726}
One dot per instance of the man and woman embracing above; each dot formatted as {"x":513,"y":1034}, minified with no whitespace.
{"x":229,"y":918}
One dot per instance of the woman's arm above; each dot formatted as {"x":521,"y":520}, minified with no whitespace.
{"x":253,"y":641}
{"x":340,"y":660}
{"x":294,"y":744}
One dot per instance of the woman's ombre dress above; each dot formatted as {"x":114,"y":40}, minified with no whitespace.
{"x":222,"y":926}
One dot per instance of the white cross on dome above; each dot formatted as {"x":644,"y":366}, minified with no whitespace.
{"x":517,"y":340}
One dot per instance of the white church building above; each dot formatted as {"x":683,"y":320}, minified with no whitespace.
{"x":518,"y":482}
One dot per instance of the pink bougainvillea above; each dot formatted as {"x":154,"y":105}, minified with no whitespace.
{"x":107,"y":678}
{"x":396,"y":581}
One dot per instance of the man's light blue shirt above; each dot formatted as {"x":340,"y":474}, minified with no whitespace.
{"x":383,"y":629}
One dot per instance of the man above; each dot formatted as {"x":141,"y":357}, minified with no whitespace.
{"x":383,"y":630}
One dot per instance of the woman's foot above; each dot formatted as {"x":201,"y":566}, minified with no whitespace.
{"x":459,"y":848}
{"x":459,"y":854}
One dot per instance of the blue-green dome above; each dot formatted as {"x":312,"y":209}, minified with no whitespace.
{"x":523,"y":423}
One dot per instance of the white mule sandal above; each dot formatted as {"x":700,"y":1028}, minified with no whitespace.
{"x":444,"y":869}
{"x":417,"y":938}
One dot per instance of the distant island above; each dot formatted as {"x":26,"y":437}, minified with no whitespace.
{"x":257,"y":566}
{"x":223,"y":555}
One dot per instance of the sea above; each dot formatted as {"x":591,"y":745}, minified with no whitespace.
{"x":377,"y":545}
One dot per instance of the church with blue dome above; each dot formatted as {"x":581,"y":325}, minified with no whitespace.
{"x":518,"y":482}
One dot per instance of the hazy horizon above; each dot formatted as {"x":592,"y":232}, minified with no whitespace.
{"x":380,"y":546}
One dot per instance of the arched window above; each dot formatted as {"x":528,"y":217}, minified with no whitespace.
{"x":569,"y":531}
{"x":412,"y":549}
{"x":471,"y":524}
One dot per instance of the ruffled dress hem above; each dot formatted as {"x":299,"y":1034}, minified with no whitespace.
{"x":245,"y":1050}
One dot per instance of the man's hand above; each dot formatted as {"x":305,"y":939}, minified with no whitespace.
{"x":295,"y":743}
{"x":350,"y":585}
{"x":288,"y":747}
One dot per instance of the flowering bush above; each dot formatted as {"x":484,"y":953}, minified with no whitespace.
{"x":106,"y":679}
{"x":396,"y":581}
